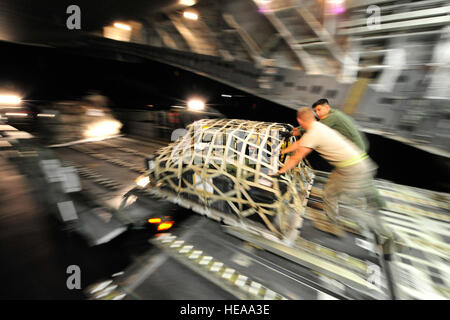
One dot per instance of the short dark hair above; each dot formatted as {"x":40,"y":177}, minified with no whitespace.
{"x":319,"y":102}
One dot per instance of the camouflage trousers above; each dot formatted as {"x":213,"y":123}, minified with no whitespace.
{"x":356,"y":182}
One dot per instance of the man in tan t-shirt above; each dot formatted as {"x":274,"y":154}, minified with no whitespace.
{"x":353,"y":173}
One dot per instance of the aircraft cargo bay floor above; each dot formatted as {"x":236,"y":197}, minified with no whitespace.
{"x":235,"y":268}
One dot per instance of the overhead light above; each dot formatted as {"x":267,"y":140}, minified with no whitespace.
{"x":226,"y":95}
{"x":336,"y":6}
{"x":196,"y":105}
{"x":9,"y":99}
{"x":264,"y":5}
{"x":16,"y":114}
{"x":46,"y":115}
{"x":190,"y":15}
{"x":103,"y":129}
{"x":122,"y":26}
{"x":95,"y":113}
{"x":187,"y":2}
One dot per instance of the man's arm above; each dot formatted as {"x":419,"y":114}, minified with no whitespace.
{"x":291,"y":148}
{"x":295,"y":159}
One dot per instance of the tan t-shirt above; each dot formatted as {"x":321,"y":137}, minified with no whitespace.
{"x":329,"y":143}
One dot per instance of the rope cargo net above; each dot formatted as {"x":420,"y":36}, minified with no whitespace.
{"x":223,"y":167}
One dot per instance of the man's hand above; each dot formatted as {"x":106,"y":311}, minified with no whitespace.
{"x":296,"y":158}
{"x":276,"y":174}
{"x":295,"y":132}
